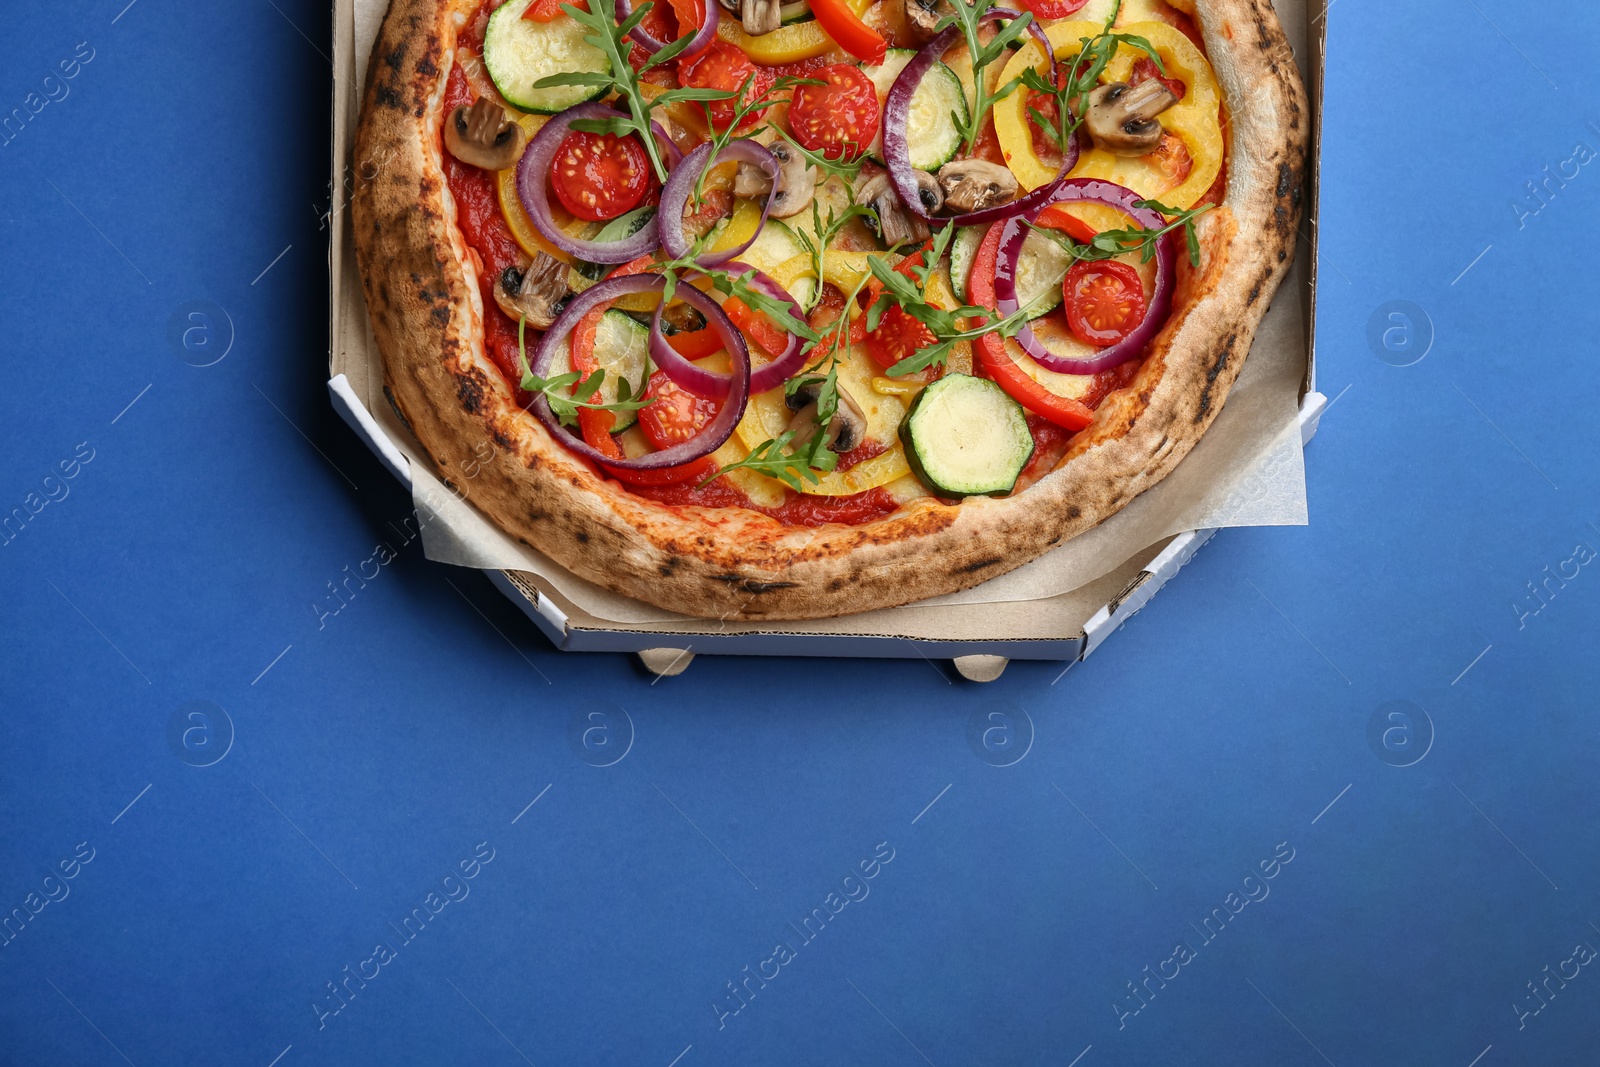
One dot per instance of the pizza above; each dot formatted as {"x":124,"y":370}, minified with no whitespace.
{"x":773,"y":310}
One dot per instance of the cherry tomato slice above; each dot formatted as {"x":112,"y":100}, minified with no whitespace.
{"x":599,"y":176}
{"x":838,"y":118}
{"x":1105,"y":301}
{"x":724,"y":67}
{"x":676,"y":416}
{"x":1053,"y":9}
{"x":897,"y":337}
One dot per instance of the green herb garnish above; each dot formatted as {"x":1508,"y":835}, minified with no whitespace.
{"x":969,"y":16}
{"x":1082,"y":77}
{"x":571,"y":391}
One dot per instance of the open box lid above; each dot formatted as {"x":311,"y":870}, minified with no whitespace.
{"x":980,"y":636}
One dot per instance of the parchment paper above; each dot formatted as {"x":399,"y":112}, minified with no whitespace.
{"x":1248,"y":470}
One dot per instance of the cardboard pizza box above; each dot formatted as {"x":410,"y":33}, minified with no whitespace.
{"x":979,"y":637}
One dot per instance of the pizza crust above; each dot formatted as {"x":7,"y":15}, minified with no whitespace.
{"x":423,"y":294}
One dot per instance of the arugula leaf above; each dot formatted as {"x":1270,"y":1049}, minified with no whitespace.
{"x":816,"y":242}
{"x":1109,"y":244}
{"x":1082,"y":77}
{"x":969,"y":16}
{"x":773,"y":459}
{"x":571,"y":391}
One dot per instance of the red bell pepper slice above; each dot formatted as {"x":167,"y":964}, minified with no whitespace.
{"x":848,"y":31}
{"x":998,"y":364}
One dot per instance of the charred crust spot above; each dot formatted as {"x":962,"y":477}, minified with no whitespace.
{"x":1223,"y":356}
{"x":441,"y":315}
{"x":665,"y":570}
{"x":980,"y":565}
{"x":836,"y":585}
{"x":1074,"y":511}
{"x":396,"y":58}
{"x":425,"y":66}
{"x":469,"y":390}
{"x":388,"y":97}
{"x":582,"y":537}
{"x":1255,"y":292}
{"x":503,"y":441}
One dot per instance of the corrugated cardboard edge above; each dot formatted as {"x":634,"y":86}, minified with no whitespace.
{"x":667,"y":652}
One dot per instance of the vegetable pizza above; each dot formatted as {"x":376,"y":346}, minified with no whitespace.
{"x":790,"y":310}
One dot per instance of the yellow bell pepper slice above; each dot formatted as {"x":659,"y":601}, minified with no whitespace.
{"x":741,"y":227}
{"x":1194,"y":120}
{"x":1011,"y":124}
{"x":793,"y":269}
{"x":786,"y":44}
{"x":767,"y":416}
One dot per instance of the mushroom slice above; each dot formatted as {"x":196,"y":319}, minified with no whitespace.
{"x":534,"y":292}
{"x":759,"y":17}
{"x":796,"y":181}
{"x":896,"y":223}
{"x":483,"y":135}
{"x":922,"y":16}
{"x":750,"y":180}
{"x":1122,"y":117}
{"x":846,"y":430}
{"x":973,"y":184}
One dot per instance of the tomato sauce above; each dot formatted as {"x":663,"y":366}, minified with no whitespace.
{"x":860,"y":454}
{"x":478,"y":214}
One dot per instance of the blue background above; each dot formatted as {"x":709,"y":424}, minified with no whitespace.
{"x":1250,"y":710}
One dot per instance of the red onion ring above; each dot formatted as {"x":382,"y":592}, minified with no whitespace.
{"x":671,"y":155}
{"x":535,"y":167}
{"x":716,"y":432}
{"x":680,"y":184}
{"x":712,"y":384}
{"x":697,"y":44}
{"x":897,"y":151}
{"x":1094,"y":190}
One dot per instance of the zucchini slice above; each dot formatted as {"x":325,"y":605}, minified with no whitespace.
{"x":965,"y":436}
{"x":1041,"y":268}
{"x":932,"y":137}
{"x":622,"y":350}
{"x":962,"y":249}
{"x":774,"y":246}
{"x":518,"y":52}
{"x":799,"y":11}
